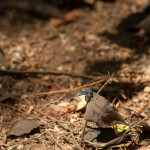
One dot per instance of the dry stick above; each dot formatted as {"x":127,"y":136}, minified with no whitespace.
{"x":22,"y":112}
{"x":108,"y":81}
{"x":54,"y":139}
{"x":130,"y":129}
{"x":53,"y":119}
{"x":63,"y":125}
{"x":25,"y":73}
{"x":72,"y":89}
{"x":49,"y":117}
{"x":120,"y":138}
{"x":85,"y":123}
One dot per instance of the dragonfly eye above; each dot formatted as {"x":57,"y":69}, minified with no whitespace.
{"x":89,"y":97}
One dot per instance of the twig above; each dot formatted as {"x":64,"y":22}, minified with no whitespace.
{"x":132,"y":126}
{"x":63,"y":125}
{"x":54,"y":139}
{"x":116,"y":140}
{"x":83,"y":132}
{"x":27,"y":73}
{"x":72,"y":89}
{"x":109,"y":80}
{"x":48,"y":117}
{"x":22,"y":112}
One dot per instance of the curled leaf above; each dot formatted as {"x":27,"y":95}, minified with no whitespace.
{"x":101,"y":111}
{"x":82,"y":103}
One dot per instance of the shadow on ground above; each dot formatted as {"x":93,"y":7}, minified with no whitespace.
{"x":128,"y":35}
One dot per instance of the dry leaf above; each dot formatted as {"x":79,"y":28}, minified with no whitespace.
{"x":60,"y":109}
{"x":56,"y":21}
{"x":82,"y":103}
{"x":95,"y":135}
{"x":137,"y":110}
{"x":101,"y":137}
{"x":120,"y":128}
{"x":101,"y":111}
{"x":24,"y":126}
{"x":71,"y":16}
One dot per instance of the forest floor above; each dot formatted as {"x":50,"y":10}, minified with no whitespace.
{"x":89,"y":48}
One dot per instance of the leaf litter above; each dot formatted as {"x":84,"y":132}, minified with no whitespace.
{"x":69,"y":48}
{"x":23,"y":126}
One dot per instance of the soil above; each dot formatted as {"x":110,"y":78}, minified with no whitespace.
{"x":92,"y":44}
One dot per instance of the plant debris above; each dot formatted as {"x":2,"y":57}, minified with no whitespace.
{"x":101,"y":111}
{"x":23,"y":126}
{"x":52,"y":50}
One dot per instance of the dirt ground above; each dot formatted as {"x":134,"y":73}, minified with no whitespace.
{"x":90,"y":46}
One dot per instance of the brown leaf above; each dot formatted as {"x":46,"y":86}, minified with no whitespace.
{"x":57,"y":22}
{"x":54,"y":113}
{"x":101,"y":111}
{"x":101,"y":137}
{"x":72,"y":15}
{"x":137,"y":110}
{"x":60,"y":109}
{"x":23,"y":126}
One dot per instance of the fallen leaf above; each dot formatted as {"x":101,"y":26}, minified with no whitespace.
{"x":4,"y":94}
{"x":137,"y":110}
{"x":23,"y":126}
{"x":54,"y":113}
{"x":82,"y":103}
{"x":56,"y":21}
{"x":101,"y":137}
{"x":72,"y":15}
{"x":60,"y":109}
{"x":96,"y":135}
{"x":69,"y":17}
{"x":101,"y":111}
{"x":120,"y":128}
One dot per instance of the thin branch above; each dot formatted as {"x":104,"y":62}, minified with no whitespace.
{"x":63,"y":125}
{"x":72,"y":89}
{"x":54,"y":139}
{"x":27,"y":73}
{"x":22,"y":112}
{"x":83,"y":130}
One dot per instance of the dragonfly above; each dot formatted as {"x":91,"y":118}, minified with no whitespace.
{"x":82,"y":93}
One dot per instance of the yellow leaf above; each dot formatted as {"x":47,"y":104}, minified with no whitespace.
{"x":82,"y":103}
{"x":119,"y":128}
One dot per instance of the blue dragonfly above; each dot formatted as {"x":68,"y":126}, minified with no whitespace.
{"x":83,"y":93}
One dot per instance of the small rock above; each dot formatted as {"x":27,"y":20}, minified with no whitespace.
{"x":147,"y":89}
